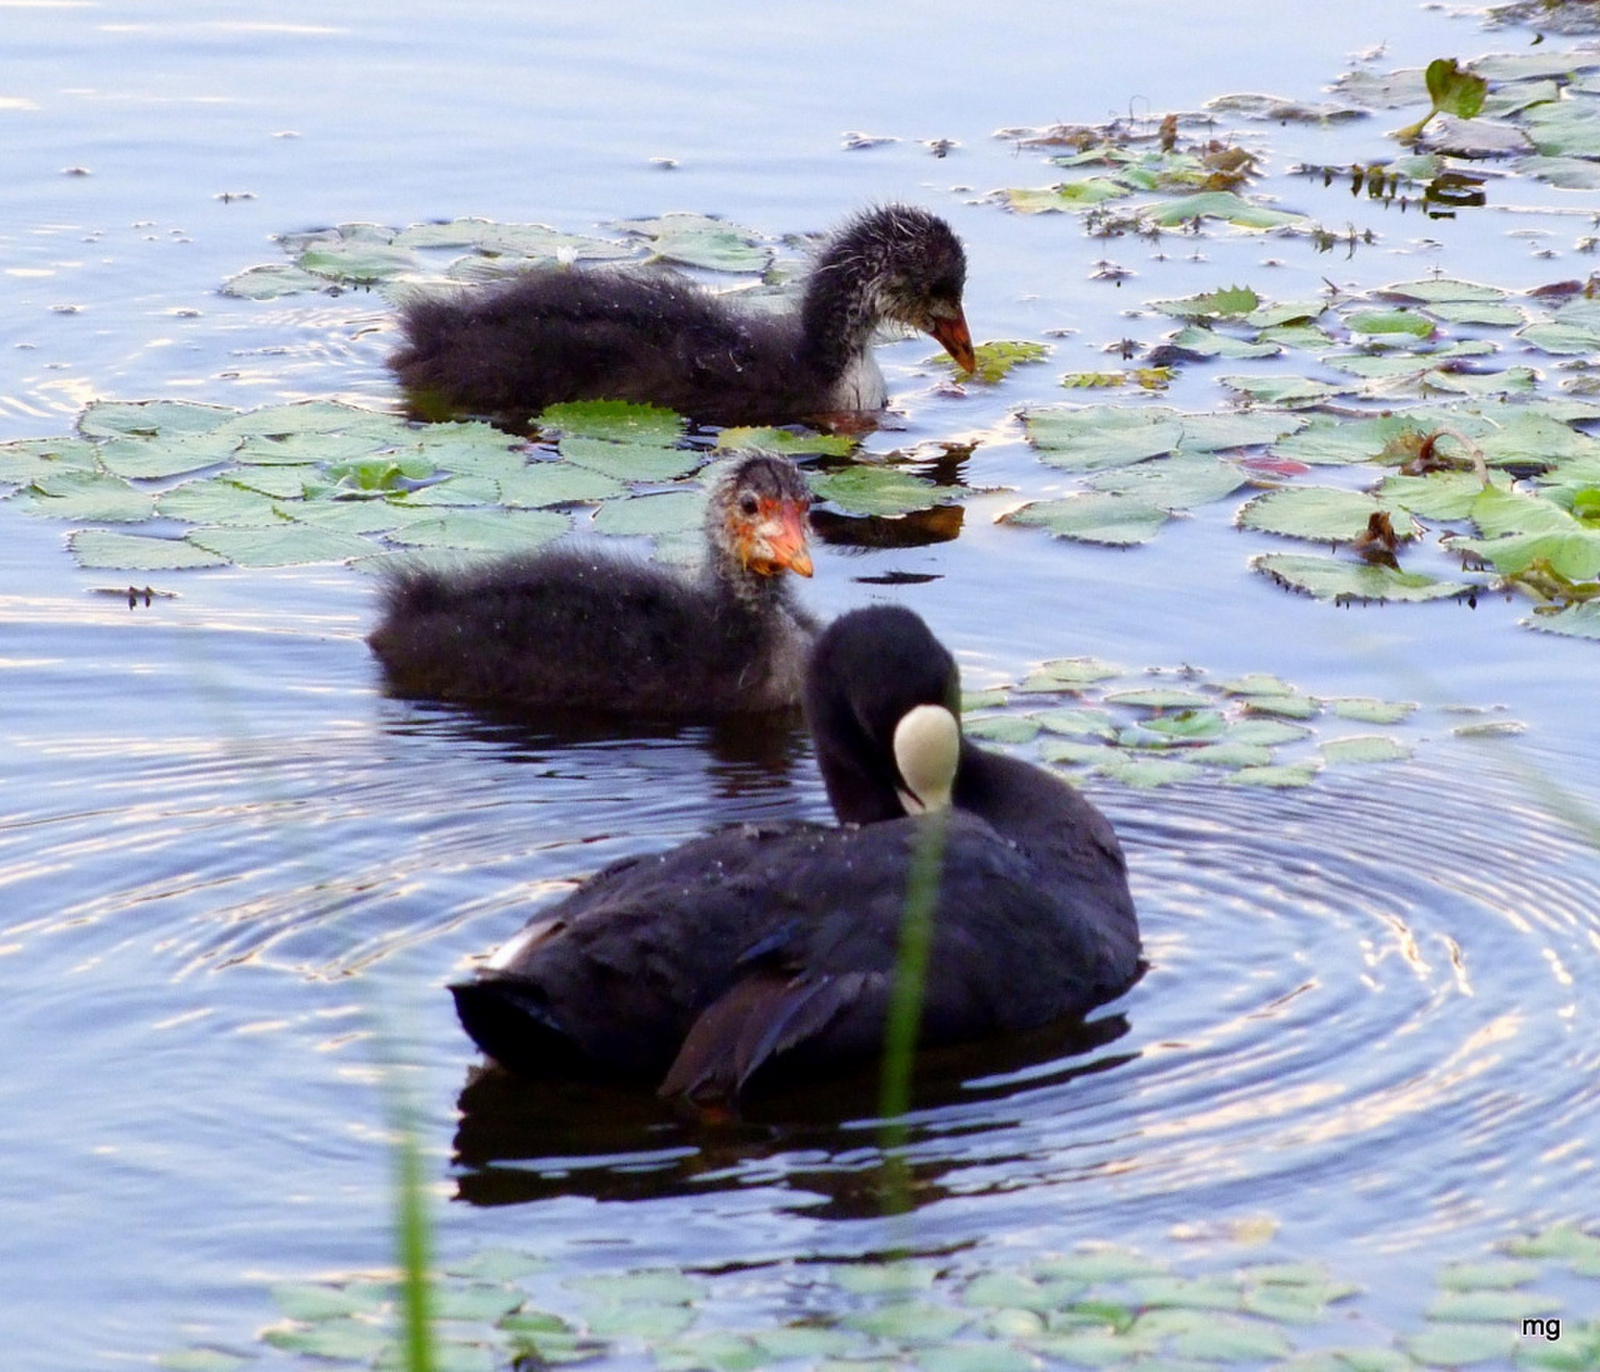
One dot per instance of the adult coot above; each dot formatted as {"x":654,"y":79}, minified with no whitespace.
{"x":768,"y":951}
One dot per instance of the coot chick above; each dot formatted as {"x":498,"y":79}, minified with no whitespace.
{"x":551,"y":335}
{"x":765,"y":953}
{"x":590,"y":629}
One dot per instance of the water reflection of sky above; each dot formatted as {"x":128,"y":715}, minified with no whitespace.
{"x":1367,"y":1004}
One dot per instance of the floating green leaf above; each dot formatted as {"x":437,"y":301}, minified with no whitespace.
{"x":616,"y":421}
{"x":996,"y":359}
{"x":1319,"y":514}
{"x":1292,"y":776}
{"x":1576,"y":621}
{"x":697,"y":240}
{"x":1460,"y":1345}
{"x":1221,"y":205}
{"x":909,"y":1322}
{"x":556,"y":483}
{"x":149,"y":418}
{"x":201,"y":1360}
{"x":1234,"y":302}
{"x":1106,"y":517}
{"x":1172,"y":483}
{"x":137,"y":552}
{"x":631,"y":461}
{"x":273,"y":280}
{"x":357,"y":262}
{"x":1380,"y":324}
{"x":1089,"y":438}
{"x":1069,"y":673}
{"x":1369,"y":711}
{"x":281,"y":545}
{"x":489,"y":531}
{"x":646,"y":516}
{"x":1003,"y":728}
{"x":1227,"y":429}
{"x":78,"y":493}
{"x":1282,"y":390}
{"x":312,"y":1301}
{"x":1341,"y":581}
{"x":1147,"y":772}
{"x":804,"y":443}
{"x":872,"y":490}
{"x":1068,"y":195}
{"x":346,"y":1340}
{"x":1232,"y":1341}
{"x":217,"y":501}
{"x":147,"y":458}
{"x":1364,"y":748}
{"x":28,"y":459}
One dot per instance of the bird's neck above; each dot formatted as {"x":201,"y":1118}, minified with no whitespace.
{"x":839,"y":312}
{"x":736,"y":585}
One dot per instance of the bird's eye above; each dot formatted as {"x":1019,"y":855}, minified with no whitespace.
{"x":749,"y":504}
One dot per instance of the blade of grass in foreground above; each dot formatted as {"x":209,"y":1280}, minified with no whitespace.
{"x":413,"y":1232}
{"x":904,"y":1019}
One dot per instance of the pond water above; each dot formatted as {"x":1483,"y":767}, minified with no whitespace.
{"x":236,"y":877}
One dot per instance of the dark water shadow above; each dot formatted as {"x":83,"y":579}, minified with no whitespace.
{"x":519,"y":1140}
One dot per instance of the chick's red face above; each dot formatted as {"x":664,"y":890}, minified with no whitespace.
{"x":771,"y":536}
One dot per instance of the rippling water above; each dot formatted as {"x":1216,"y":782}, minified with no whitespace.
{"x":231,"y":868}
{"x":1364,"y":1015}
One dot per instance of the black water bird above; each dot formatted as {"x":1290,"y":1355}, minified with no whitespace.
{"x":557,"y":334}
{"x":765,"y":953}
{"x":589,"y":629}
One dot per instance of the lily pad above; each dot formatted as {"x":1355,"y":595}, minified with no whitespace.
{"x":281,"y":545}
{"x":1576,"y":621}
{"x":1233,"y":302}
{"x":1173,"y":483}
{"x":1093,"y":437}
{"x":272,"y":281}
{"x":138,"y":552}
{"x":864,"y":489}
{"x":670,"y":512}
{"x":1222,"y":205}
{"x":1067,"y":195}
{"x":1319,"y":514}
{"x":616,"y":421}
{"x":1010,"y":729}
{"x":996,"y":359}
{"x":631,"y":461}
{"x":1364,"y":748}
{"x":1380,"y":324}
{"x":1147,"y":772}
{"x":1288,"y":391}
{"x":1106,"y":517}
{"x":697,"y":240}
{"x":789,"y":442}
{"x":540,"y":484}
{"x":217,"y":501}
{"x":1288,"y":777}
{"x":1461,"y":1345}
{"x":27,"y":459}
{"x":488,"y":531}
{"x":1343,"y":581}
{"x":79,"y":493}
{"x":1228,"y":429}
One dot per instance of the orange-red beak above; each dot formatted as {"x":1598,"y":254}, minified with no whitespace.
{"x":779,"y":540}
{"x":953,"y":335}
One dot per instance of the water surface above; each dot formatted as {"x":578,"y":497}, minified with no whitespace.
{"x":228,"y":861}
